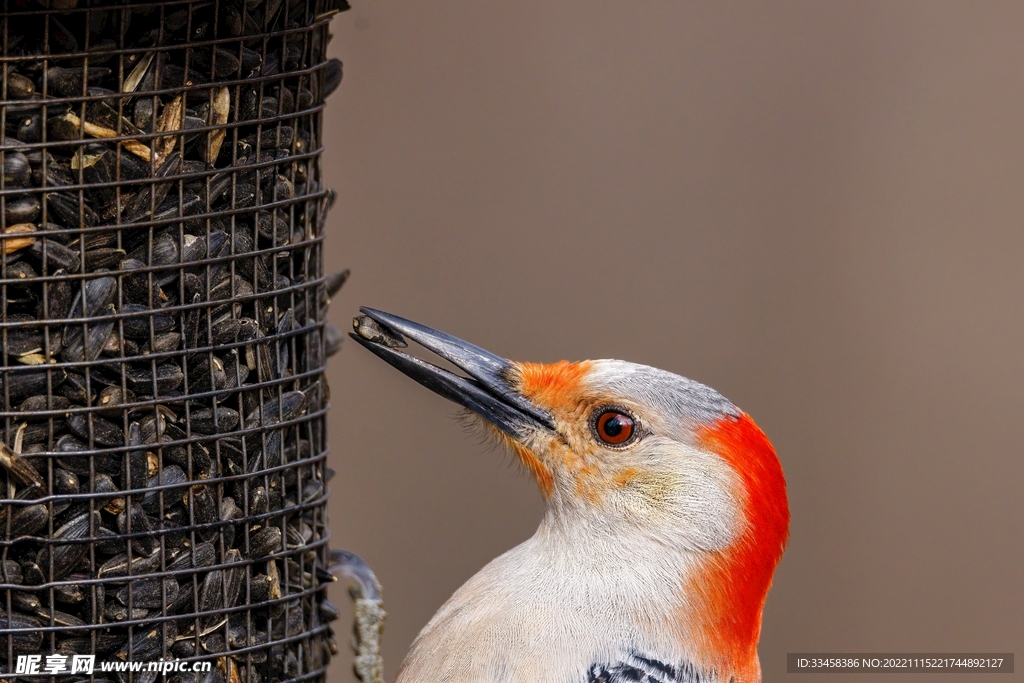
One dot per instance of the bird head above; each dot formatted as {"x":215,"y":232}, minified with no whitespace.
{"x":630,"y":456}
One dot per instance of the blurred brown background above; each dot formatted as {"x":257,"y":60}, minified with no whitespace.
{"x":816,"y":208}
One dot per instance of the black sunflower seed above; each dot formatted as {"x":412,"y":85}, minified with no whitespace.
{"x":22,"y":210}
{"x":85,"y":341}
{"x":203,"y":555}
{"x":65,"y":482}
{"x":112,"y":398}
{"x":96,"y":429}
{"x":66,"y":552}
{"x":161,"y":380}
{"x":27,"y":520}
{"x":58,"y":618}
{"x":119,"y":565}
{"x":214,"y":420}
{"x":70,"y":593}
{"x":21,"y":383}
{"x":10,"y":572}
{"x":24,"y":636}
{"x":142,"y":321}
{"x":264,"y":542}
{"x":54,"y":256}
{"x":148,"y":593}
{"x":259,"y":501}
{"x":168,"y":483}
{"x":103,"y":257}
{"x":202,"y":504}
{"x":18,"y":86}
{"x":115,"y":611}
{"x":332,"y":76}
{"x":15,"y":168}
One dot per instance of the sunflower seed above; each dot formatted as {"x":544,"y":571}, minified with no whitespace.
{"x":20,"y":385}
{"x":370,"y":330}
{"x":115,"y":611}
{"x":27,"y":520}
{"x":58,"y":618}
{"x":264,"y":542}
{"x":28,"y":638}
{"x":164,"y":379}
{"x":19,"y":468}
{"x":15,"y":169}
{"x":69,"y":593}
{"x":165,"y":480}
{"x":148,"y":593}
{"x":54,"y":255}
{"x":10,"y":572}
{"x":19,"y":212}
{"x":118,"y":566}
{"x":65,"y":552}
{"x":96,"y":429}
{"x":19,"y":86}
{"x":65,"y":482}
{"x":10,"y":241}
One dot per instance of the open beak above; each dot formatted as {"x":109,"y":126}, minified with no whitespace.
{"x":487,"y":391}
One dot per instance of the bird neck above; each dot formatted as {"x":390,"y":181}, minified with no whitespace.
{"x":683,"y":607}
{"x":704,"y":604}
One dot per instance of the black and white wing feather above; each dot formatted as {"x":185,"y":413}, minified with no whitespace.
{"x":636,"y":668}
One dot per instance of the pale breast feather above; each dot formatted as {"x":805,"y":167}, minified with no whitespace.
{"x":637,"y":668}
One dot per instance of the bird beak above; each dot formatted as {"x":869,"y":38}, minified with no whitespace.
{"x":487,"y":391}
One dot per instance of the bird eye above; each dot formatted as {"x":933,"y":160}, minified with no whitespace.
{"x":614,"y":427}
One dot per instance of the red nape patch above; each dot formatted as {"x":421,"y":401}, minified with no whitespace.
{"x":736,"y":581}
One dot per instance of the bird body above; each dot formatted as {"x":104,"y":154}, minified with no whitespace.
{"x":666,"y":516}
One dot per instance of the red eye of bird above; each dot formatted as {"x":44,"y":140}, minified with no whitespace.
{"x":614,"y":427}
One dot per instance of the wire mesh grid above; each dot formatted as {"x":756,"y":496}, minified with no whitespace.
{"x":163,"y":301}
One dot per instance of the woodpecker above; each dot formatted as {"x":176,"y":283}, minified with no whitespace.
{"x":666,"y":515}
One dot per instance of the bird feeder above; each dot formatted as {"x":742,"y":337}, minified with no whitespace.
{"x":162,"y":390}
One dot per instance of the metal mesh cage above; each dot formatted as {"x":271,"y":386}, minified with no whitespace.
{"x":163,"y":298}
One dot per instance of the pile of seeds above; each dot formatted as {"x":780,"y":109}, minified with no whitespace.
{"x":163,"y":340}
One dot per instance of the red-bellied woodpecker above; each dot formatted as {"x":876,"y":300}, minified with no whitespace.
{"x":666,"y":516}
